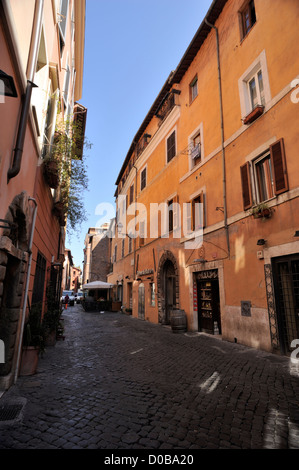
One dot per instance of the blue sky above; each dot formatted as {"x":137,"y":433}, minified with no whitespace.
{"x":131,"y":46}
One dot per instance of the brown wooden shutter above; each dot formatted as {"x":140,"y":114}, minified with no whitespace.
{"x":171,"y":151}
{"x":246,"y":186}
{"x":279,"y":167}
{"x":203,"y":201}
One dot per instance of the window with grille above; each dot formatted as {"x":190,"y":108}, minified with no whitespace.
{"x":39,"y":279}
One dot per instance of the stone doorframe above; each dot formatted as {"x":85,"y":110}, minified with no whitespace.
{"x":13,"y":266}
{"x":167,"y":256}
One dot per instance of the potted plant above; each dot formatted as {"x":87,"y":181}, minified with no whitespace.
{"x":73,"y":178}
{"x":33,"y":341}
{"x":261,"y":211}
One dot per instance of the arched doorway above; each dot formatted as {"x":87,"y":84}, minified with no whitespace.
{"x":13,"y":261}
{"x":168,"y":287}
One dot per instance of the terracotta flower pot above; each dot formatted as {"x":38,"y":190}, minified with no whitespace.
{"x":29,"y":361}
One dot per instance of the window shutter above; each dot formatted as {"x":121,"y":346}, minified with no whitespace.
{"x":171,"y":151}
{"x":203,"y":201}
{"x":246,"y":186}
{"x":279,"y":167}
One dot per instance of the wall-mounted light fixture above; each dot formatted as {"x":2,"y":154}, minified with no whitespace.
{"x":8,"y":85}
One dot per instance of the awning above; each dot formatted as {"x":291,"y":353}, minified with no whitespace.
{"x":97,"y":285}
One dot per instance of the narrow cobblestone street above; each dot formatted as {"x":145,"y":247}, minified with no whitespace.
{"x":116,"y":382}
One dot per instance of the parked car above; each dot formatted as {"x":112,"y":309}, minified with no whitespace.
{"x":79,"y":297}
{"x":70,"y":293}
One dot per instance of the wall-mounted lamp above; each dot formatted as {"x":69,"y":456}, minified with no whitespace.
{"x":7,"y":85}
{"x":261,"y":241}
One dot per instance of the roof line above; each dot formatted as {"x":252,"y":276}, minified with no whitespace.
{"x":177,"y":75}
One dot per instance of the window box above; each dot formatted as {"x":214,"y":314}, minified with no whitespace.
{"x":254,"y":114}
{"x":261,"y":211}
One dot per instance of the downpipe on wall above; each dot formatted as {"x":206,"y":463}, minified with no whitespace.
{"x":23,"y":315}
{"x":32,"y":60}
{"x":222,"y":137}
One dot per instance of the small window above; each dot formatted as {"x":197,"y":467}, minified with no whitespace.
{"x":66,"y":84}
{"x":143,"y":179}
{"x":62,"y":21}
{"x":153,"y":294}
{"x":264,"y":178}
{"x":131,"y":193}
{"x":196,"y":214}
{"x":171,"y":147}
{"x":170,"y":215}
{"x":193,"y":89}
{"x":248,"y":17}
{"x":123,"y":248}
{"x":256,"y":90}
{"x":130,"y":244}
{"x":196,"y":149}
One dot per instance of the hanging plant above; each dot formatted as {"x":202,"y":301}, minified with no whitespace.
{"x":72,"y":170}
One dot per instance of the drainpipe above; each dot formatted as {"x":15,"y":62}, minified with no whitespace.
{"x":26,"y":290}
{"x":222,"y":138}
{"x":135,"y":216}
{"x":32,"y":59}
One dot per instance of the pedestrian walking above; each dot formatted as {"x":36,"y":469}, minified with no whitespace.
{"x":66,"y":301}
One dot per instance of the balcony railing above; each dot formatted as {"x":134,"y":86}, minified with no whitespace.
{"x":166,"y":106}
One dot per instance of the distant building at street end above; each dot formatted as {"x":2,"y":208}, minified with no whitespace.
{"x":96,"y":255}
{"x":67,"y":270}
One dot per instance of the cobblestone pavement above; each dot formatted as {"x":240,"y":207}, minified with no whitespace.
{"x":117,"y":382}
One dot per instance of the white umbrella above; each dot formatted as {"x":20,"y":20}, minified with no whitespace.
{"x":98,"y":285}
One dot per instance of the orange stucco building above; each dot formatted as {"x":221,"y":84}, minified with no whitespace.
{"x":218,"y":149}
{"x":41,"y":53}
